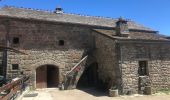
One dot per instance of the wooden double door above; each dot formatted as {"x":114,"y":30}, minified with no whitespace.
{"x":47,"y":76}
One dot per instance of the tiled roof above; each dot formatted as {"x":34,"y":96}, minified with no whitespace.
{"x":109,"y":32}
{"x":132,"y":35}
{"x":65,"y":18}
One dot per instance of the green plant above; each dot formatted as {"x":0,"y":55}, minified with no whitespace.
{"x":166,"y":91}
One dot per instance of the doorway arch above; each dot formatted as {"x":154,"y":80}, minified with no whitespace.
{"x":47,"y":76}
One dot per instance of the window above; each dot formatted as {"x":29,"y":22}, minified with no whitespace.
{"x":61,"y":42}
{"x":143,"y":70}
{"x":15,"y":66}
{"x":15,"y":40}
{"x":21,"y":72}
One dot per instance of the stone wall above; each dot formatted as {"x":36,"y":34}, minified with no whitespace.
{"x":1,"y":59}
{"x":158,"y":57}
{"x":2,"y":33}
{"x":106,"y":59}
{"x":40,"y":43}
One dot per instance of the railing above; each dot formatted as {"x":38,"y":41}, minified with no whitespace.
{"x":11,"y":90}
{"x":72,"y":77}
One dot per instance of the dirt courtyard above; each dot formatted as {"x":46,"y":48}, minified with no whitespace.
{"x":55,"y":94}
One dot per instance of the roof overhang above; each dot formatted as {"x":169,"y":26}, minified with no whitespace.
{"x":142,"y":41}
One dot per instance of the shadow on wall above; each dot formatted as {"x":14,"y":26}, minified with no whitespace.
{"x":90,"y":83}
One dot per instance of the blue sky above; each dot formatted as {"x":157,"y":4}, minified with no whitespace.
{"x":151,"y":13}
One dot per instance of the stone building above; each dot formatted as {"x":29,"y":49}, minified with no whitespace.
{"x":83,"y":51}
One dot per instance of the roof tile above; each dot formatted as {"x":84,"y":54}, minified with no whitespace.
{"x":64,"y":17}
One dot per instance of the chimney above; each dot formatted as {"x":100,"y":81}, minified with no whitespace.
{"x":122,"y":27}
{"x":58,"y":10}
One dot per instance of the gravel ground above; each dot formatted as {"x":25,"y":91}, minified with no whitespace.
{"x":55,"y":94}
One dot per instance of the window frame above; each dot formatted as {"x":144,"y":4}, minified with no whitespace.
{"x":61,"y":42}
{"x":143,"y":68}
{"x":14,"y":65}
{"x":15,"y":40}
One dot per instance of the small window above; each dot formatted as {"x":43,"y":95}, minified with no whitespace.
{"x":15,"y":40}
{"x":143,"y":68}
{"x":61,"y":42}
{"x":15,"y":66}
{"x":21,"y":72}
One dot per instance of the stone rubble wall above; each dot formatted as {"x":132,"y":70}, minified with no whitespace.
{"x":106,"y":59}
{"x":158,"y":57}
{"x":2,"y":34}
{"x":1,"y":59}
{"x":40,"y":42}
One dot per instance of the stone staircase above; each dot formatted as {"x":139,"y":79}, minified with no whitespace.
{"x":72,"y":77}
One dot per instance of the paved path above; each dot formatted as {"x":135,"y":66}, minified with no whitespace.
{"x":55,"y":94}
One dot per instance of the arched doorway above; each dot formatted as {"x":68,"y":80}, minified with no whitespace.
{"x":47,"y":76}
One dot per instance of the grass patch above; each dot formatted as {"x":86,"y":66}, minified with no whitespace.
{"x":165,"y":91}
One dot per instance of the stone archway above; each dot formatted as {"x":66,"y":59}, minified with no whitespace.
{"x":47,"y":76}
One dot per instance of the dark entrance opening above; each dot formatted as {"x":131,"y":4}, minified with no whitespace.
{"x":52,"y":76}
{"x":89,"y":81}
{"x":89,"y":77}
{"x":47,"y":76}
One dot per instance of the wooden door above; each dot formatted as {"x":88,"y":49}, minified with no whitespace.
{"x":41,"y":77}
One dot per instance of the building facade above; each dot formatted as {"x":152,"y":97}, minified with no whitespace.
{"x":76,"y":51}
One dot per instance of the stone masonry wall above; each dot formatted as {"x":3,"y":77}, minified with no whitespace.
{"x":106,"y":59}
{"x":2,"y":34}
{"x":1,"y":59}
{"x":158,"y":57}
{"x":40,"y":42}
